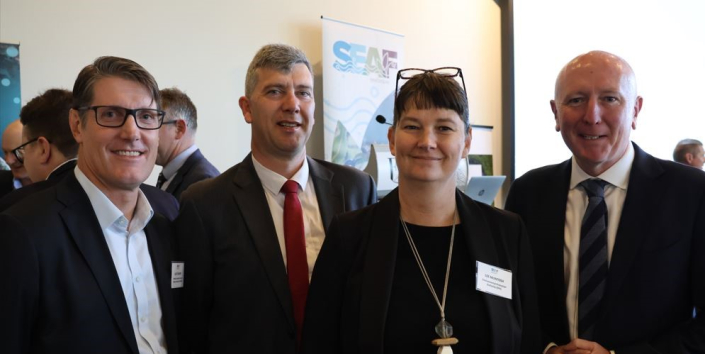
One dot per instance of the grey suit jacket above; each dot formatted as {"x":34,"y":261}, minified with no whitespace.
{"x":196,"y":168}
{"x":236,"y":296}
{"x":657,"y":270}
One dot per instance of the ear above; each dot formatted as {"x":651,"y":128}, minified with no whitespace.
{"x":689,"y":157}
{"x":468,"y":141}
{"x":180,"y":128}
{"x":554,"y":109}
{"x":637,"y":108}
{"x":390,"y":137}
{"x":75,"y":124}
{"x":244,"y":103}
{"x":44,"y":150}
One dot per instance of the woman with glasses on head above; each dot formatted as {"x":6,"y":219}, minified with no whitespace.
{"x":427,"y":269}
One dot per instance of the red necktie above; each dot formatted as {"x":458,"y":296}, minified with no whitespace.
{"x":296,"y":264}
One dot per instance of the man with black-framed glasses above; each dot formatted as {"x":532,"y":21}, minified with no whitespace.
{"x":11,"y":139}
{"x":183,"y":162}
{"x":91,"y":259}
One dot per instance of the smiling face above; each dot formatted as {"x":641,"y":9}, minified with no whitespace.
{"x":428,"y":145}
{"x":116,"y":159}
{"x":595,"y":108}
{"x":280,"y":110}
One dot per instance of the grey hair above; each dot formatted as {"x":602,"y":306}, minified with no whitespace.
{"x":280,"y":57}
{"x":685,"y":146}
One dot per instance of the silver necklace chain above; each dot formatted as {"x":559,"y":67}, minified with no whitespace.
{"x":415,"y":251}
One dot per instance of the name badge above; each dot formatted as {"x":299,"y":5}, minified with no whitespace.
{"x":493,"y":280}
{"x":177,"y":275}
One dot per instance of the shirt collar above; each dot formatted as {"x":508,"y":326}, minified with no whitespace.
{"x":16,"y":183}
{"x":274,"y":182}
{"x":617,"y":175}
{"x":174,"y":165}
{"x":107,"y":213}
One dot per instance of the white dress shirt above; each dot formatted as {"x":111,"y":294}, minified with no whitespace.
{"x":314,"y":232}
{"x":615,"y":192}
{"x":130,"y":253}
{"x":173,"y":166}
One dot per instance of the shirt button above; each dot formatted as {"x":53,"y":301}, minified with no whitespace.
{"x":137,"y":279}
{"x":143,"y":319}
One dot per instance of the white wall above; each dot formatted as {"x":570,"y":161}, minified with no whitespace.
{"x":664,"y":42}
{"x":204,"y":48}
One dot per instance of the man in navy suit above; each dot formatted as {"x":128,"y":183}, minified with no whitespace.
{"x":183,"y":162}
{"x":637,"y":289}
{"x":230,"y":230}
{"x":89,"y":261}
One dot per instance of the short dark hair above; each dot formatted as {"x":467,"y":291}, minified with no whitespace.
{"x":47,"y":115}
{"x":111,"y":67}
{"x":280,"y":57}
{"x":177,"y":103}
{"x":431,"y":90}
{"x":685,"y":146}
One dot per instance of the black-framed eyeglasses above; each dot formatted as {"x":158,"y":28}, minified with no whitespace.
{"x":446,"y":71}
{"x":19,"y":151}
{"x":170,"y":122}
{"x":116,"y":116}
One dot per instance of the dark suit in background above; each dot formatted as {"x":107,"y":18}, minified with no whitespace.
{"x":6,"y":182}
{"x":352,"y":282}
{"x":61,"y":292}
{"x":196,"y":168}
{"x":657,"y":270}
{"x":161,"y":202}
{"x":236,"y":294}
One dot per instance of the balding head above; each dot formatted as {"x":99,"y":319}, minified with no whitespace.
{"x":595,"y":108}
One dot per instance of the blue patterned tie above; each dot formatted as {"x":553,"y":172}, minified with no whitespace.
{"x":161,"y":180}
{"x":593,"y":257}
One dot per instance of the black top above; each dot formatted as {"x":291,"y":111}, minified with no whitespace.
{"x":413,"y":313}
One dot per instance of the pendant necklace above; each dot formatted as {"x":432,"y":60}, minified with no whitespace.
{"x":443,"y":328}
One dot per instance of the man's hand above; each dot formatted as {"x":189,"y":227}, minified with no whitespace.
{"x":579,"y":346}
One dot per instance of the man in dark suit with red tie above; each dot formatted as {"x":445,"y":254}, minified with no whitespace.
{"x":250,"y":237}
{"x":618,"y":236}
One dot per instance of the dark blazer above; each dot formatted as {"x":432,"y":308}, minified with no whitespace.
{"x":6,"y":182}
{"x":352,"y":281}
{"x":60,"y":292}
{"x":161,"y":202}
{"x":657,"y":270}
{"x":236,"y":292}
{"x":194,"y":169}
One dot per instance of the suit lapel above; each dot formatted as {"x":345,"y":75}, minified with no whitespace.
{"x":554,"y":238}
{"x":329,"y":196}
{"x":85,"y":230}
{"x":179,"y":176}
{"x":639,"y":208}
{"x":481,"y":245}
{"x":252,"y":202}
{"x":378,"y":273}
{"x":158,"y":234}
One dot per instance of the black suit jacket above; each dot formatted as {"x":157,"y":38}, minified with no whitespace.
{"x":657,"y":269}
{"x":161,"y":202}
{"x":61,"y":292}
{"x":6,"y":183}
{"x":352,"y":281}
{"x":236,"y":292}
{"x":194,"y":169}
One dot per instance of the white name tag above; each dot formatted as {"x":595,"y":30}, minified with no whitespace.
{"x":493,"y":280}
{"x":177,"y":275}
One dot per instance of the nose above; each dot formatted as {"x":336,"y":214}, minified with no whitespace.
{"x":130,"y":130}
{"x":427,"y":140}
{"x":593,"y":112}
{"x":291,"y":103}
